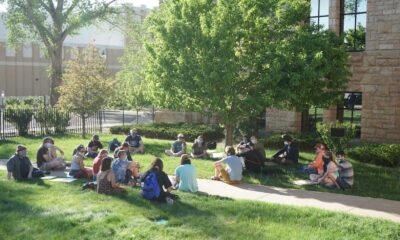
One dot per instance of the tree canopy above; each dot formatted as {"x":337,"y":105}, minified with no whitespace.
{"x":236,"y":57}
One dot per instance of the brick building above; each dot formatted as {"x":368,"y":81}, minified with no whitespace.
{"x":375,"y":65}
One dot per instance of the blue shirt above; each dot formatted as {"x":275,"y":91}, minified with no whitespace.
{"x":119,"y":168}
{"x":235,"y":167}
{"x":177,"y":146}
{"x":133,"y":141}
{"x":187,"y":178}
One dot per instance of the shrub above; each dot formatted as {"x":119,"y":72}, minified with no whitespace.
{"x":52,"y":118}
{"x":170,"y":131}
{"x":336,"y":143}
{"x":380,"y":154}
{"x":20,"y":116}
{"x":305,"y":141}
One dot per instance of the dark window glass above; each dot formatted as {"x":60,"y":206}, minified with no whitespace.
{"x":354,"y":21}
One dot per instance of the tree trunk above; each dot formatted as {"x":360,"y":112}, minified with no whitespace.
{"x":55,"y":73}
{"x":229,"y":128}
{"x":83,"y":126}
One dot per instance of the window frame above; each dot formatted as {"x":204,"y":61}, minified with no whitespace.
{"x":319,"y":16}
{"x":355,"y":13}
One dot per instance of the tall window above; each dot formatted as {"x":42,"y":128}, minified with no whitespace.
{"x":349,"y":110}
{"x":354,"y":21}
{"x":320,"y":13}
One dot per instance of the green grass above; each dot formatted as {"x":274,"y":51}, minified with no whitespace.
{"x":370,"y":180}
{"x":47,"y":210}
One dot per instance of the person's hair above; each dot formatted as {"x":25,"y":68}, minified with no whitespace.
{"x":340,"y":153}
{"x":106,"y":164}
{"x":102,"y":151}
{"x":120,"y":152}
{"x":185,"y":159}
{"x":320,"y":146}
{"x":78,"y":149}
{"x":125,"y":144}
{"x":230,"y":150}
{"x":48,"y":139}
{"x":330,"y":156}
{"x":157,"y":163}
{"x":286,"y":137}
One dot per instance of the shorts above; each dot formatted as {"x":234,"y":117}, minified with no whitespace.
{"x":226,"y":178}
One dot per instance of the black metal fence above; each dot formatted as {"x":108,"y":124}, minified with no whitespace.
{"x":45,"y":121}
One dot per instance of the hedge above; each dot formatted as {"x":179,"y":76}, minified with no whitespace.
{"x":170,"y":131}
{"x":387,"y":155}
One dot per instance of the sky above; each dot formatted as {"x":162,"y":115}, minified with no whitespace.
{"x":138,"y":3}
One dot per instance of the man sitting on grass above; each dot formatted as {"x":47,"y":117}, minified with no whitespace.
{"x":289,"y":154}
{"x":20,"y":167}
{"x":233,"y":173}
{"x":178,"y":147}
{"x":93,"y":147}
{"x":135,"y":142}
{"x":346,"y":173}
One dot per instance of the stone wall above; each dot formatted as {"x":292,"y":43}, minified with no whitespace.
{"x":282,"y":121}
{"x":168,"y":116}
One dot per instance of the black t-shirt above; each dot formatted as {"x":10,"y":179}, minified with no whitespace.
{"x":19,"y":166}
{"x":162,"y":179}
{"x":39,"y":156}
{"x":133,"y":141}
{"x":252,"y":159}
{"x":95,"y":145}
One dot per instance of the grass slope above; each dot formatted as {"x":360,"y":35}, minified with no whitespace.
{"x":47,"y":210}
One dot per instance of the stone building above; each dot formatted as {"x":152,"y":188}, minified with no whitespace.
{"x":375,"y":67}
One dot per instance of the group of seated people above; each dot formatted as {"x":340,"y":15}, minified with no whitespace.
{"x":111,"y":171}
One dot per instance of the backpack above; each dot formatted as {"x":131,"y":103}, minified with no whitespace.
{"x":150,"y":188}
{"x":212,"y":145}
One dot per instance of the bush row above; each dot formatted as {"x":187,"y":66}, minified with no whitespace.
{"x":387,"y":155}
{"x":170,"y":131}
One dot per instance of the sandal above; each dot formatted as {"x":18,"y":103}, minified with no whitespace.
{"x":215,"y":178}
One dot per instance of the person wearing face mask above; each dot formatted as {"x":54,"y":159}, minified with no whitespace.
{"x":289,"y":154}
{"x":317,"y":166}
{"x":199,"y":149}
{"x":20,"y":167}
{"x":330,"y":174}
{"x":78,"y":169}
{"x":253,"y":160}
{"x":135,"y":142}
{"x":178,"y":147}
{"x":258,"y":146}
{"x":346,"y":173}
{"x":44,"y":158}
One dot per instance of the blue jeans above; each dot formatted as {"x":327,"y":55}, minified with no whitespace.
{"x":308,"y":170}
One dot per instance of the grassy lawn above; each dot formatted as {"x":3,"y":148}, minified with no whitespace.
{"x":47,"y":210}
{"x":370,"y":180}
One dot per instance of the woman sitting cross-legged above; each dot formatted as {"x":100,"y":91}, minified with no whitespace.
{"x":185,"y":175}
{"x":106,"y":182}
{"x":330,"y":174}
{"x":78,"y":169}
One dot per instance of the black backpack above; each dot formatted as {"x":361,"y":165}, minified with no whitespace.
{"x":212,"y":145}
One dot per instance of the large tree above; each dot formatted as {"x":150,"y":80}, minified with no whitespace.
{"x":50,"y":22}
{"x":236,"y":57}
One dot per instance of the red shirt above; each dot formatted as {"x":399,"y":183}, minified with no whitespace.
{"x":96,"y":164}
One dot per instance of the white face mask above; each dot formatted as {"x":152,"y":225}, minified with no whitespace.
{"x":48,"y":145}
{"x":23,"y":153}
{"x":200,"y":140}
{"x":286,"y":143}
{"x":254,"y":141}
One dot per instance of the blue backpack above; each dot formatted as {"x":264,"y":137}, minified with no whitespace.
{"x":151,"y":189}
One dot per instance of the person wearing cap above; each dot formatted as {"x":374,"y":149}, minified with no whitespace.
{"x":135,"y":142}
{"x":93,"y":147}
{"x":199,"y":148}
{"x":20,"y":167}
{"x":317,"y":166}
{"x":178,"y":147}
{"x":289,"y":154}
{"x":43,"y":157}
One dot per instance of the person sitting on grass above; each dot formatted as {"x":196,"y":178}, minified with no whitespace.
{"x":253,"y":160}
{"x":330,"y":174}
{"x":97,"y":162}
{"x":243,"y":143}
{"x":156,"y":184}
{"x":78,"y":169}
{"x":124,"y":170}
{"x":53,"y":152}
{"x":199,"y":148}
{"x":135,"y":142}
{"x":20,"y":167}
{"x":178,"y":147}
{"x":106,"y":182}
{"x":258,"y":146}
{"x":317,"y":166}
{"x":114,"y":144}
{"x":124,"y":147}
{"x":93,"y":147}
{"x":233,"y":173}
{"x":289,"y":154}
{"x":346,"y":173}
{"x":185,"y":175}
{"x":44,"y":160}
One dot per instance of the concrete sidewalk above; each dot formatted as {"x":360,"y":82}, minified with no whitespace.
{"x":362,"y":206}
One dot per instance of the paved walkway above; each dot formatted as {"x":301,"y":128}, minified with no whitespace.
{"x":362,"y":206}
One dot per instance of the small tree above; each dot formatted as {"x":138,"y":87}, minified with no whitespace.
{"x":336,"y":143}
{"x":20,"y":116}
{"x":86,"y":87}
